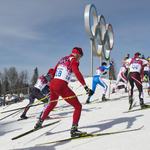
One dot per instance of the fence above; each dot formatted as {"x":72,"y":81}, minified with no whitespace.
{"x":14,"y":96}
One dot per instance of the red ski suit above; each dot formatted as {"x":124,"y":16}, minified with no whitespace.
{"x":59,"y":87}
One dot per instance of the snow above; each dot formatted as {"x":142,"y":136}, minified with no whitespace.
{"x":95,"y":118}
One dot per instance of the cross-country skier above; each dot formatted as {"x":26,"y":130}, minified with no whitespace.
{"x":146,"y":73}
{"x":59,"y":87}
{"x":39,"y":91}
{"x":135,"y":65}
{"x":120,"y":76}
{"x":97,"y":80}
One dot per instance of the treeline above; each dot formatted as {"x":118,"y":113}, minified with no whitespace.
{"x":11,"y":80}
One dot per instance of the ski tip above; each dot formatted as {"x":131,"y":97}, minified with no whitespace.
{"x":141,"y":127}
{"x":13,"y":138}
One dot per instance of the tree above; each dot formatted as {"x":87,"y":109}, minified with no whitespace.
{"x":22,"y":80}
{"x":35,"y":76}
{"x":12,"y":77}
{"x":4,"y":80}
{"x":143,"y":57}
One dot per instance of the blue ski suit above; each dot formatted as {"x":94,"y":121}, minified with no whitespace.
{"x":97,"y":79}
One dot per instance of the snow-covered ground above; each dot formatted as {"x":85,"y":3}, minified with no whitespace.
{"x":95,"y":118}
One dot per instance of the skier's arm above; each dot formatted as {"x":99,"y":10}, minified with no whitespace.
{"x":107,"y":68}
{"x":148,"y":63}
{"x":124,"y":60}
{"x":54,"y":71}
{"x":75,"y":69}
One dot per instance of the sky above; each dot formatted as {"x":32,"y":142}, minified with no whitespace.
{"x":39,"y":33}
{"x":95,"y":118}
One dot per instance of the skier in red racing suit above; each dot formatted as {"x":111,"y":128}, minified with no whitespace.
{"x":59,"y":87}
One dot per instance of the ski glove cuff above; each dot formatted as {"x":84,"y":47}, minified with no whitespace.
{"x":89,"y":91}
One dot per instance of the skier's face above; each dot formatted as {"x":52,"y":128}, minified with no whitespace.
{"x":77,"y":56}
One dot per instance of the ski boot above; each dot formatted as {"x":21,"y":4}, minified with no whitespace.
{"x":148,"y":90}
{"x":104,"y":98}
{"x":130,"y":102}
{"x":38,"y":125}
{"x":88,"y":101}
{"x":142,"y":104}
{"x":76,"y":133}
{"x":113,"y":90}
{"x":23,"y":116}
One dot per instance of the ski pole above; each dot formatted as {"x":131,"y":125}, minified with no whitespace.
{"x":109,"y":87}
{"x":9,"y":115}
{"x":43,"y":103}
{"x":28,"y":106}
{"x":17,"y":113}
{"x":19,"y":109}
{"x":128,"y":80}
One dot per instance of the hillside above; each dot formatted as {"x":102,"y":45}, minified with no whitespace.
{"x":95,"y":118}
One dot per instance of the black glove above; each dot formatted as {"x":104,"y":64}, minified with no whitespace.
{"x":127,"y":56}
{"x":89,"y":91}
{"x":111,"y":62}
{"x":105,"y":73}
{"x":44,"y":79}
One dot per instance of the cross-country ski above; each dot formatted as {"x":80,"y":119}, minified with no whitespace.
{"x":91,"y":135}
{"x":33,"y":130}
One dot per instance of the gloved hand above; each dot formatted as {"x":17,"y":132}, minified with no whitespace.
{"x":111,"y":62}
{"x":89,"y":91}
{"x":127,"y":56}
{"x":145,"y":78}
{"x":105,"y":73}
{"x":44,"y":79}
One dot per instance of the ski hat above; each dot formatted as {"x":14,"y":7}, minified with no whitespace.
{"x":137,"y":55}
{"x":77,"y":50}
{"x":104,"y":63}
{"x":50,"y":70}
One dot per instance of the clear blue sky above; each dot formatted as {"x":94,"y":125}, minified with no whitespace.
{"x":37,"y":33}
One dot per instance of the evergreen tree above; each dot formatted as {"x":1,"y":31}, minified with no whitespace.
{"x":143,"y":57}
{"x":35,"y":76}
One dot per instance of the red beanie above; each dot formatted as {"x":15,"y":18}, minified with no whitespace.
{"x":77,"y":50}
{"x":137,"y":55}
{"x":50,"y":70}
